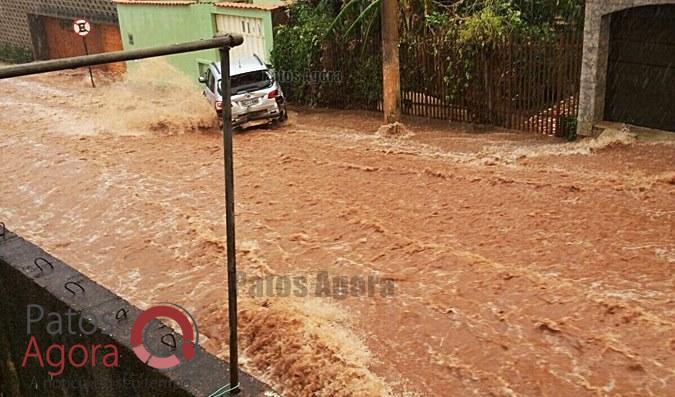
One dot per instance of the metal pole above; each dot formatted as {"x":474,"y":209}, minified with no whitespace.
{"x":229,"y":40}
{"x":86,"y":52}
{"x":229,"y":217}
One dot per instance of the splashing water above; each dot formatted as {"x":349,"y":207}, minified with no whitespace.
{"x":153,"y":96}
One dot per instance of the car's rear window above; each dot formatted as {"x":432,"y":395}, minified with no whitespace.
{"x":248,"y":82}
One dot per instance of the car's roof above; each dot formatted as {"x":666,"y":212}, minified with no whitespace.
{"x":241,"y":65}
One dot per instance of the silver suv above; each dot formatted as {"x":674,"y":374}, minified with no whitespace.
{"x":256,"y":95}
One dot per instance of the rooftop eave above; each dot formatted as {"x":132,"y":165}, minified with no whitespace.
{"x":248,"y":6}
{"x":156,"y":2}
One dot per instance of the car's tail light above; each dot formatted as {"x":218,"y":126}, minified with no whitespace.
{"x":273,"y":94}
{"x":219,"y":105}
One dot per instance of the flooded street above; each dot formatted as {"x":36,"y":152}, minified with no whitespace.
{"x":518,"y":265}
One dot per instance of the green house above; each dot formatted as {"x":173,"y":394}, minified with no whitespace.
{"x":147,"y":23}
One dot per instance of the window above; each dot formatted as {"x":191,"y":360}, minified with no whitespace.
{"x":211,"y":81}
{"x":252,"y":81}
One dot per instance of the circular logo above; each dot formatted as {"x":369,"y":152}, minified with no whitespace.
{"x":82,"y":27}
{"x":188,"y":329}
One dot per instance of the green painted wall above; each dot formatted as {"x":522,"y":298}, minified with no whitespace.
{"x":152,"y":25}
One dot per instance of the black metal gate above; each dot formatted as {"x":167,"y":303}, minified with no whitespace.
{"x":641,"y":68}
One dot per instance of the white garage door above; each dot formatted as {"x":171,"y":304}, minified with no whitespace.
{"x":250,"y":28}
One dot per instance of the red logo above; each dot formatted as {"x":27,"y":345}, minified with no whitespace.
{"x":188,"y":328}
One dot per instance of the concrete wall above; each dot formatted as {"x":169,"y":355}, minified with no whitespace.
{"x":147,"y":25}
{"x":23,"y":284}
{"x":595,"y":53}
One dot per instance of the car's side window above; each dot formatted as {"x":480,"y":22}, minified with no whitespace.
{"x":212,"y":82}
{"x":206,"y":77}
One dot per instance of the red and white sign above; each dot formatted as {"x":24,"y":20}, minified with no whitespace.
{"x":82,"y":27}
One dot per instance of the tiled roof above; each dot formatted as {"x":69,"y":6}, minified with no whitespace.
{"x":248,"y":6}
{"x":223,"y":4}
{"x":156,"y":2}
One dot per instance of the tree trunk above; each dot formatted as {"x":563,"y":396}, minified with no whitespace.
{"x":391,"y":79}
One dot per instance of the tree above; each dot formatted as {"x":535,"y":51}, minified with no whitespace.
{"x":391,"y":80}
{"x":391,"y":77}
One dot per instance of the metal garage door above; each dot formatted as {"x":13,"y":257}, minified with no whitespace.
{"x":641,"y":68}
{"x":250,"y":28}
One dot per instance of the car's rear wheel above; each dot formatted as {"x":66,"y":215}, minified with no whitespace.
{"x":284,"y":114}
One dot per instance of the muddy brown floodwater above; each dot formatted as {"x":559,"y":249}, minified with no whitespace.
{"x":521,"y":265}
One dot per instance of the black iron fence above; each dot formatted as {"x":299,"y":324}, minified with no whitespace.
{"x":528,"y":84}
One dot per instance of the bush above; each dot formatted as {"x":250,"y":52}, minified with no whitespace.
{"x":307,"y":46}
{"x":298,"y":47}
{"x":15,"y":54}
{"x":490,"y":26}
{"x":568,"y":127}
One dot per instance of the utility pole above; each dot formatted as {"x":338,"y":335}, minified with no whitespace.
{"x":225,"y":88}
{"x":391,"y":77}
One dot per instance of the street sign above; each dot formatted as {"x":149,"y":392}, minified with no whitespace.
{"x":82,"y":27}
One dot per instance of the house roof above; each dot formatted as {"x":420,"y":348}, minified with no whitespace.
{"x":222,"y":4}
{"x":156,"y":2}
{"x":248,"y":6}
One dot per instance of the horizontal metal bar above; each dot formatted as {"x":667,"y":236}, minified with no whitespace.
{"x":225,"y":40}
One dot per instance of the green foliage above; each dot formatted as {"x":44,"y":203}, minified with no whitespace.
{"x":366,"y":79}
{"x":298,"y":45}
{"x":469,"y":30}
{"x":301,"y":48}
{"x":344,"y":36}
{"x":355,"y":13}
{"x":568,"y":128}
{"x":437,"y":21}
{"x":15,"y":54}
{"x":489,"y":26}
{"x":534,"y":14}
{"x":549,"y":13}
